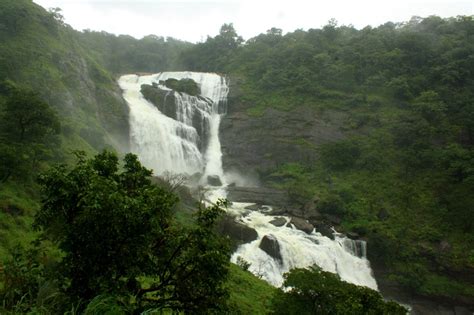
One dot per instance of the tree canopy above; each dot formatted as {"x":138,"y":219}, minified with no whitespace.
{"x":29,"y":130}
{"x":118,"y":235}
{"x":313,"y":291}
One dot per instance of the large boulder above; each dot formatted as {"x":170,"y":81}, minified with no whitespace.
{"x":278,"y":222}
{"x":269,"y":244}
{"x":325,"y":230}
{"x":164,"y":100}
{"x":236,"y":231}
{"x":279,"y":211}
{"x":302,"y":225}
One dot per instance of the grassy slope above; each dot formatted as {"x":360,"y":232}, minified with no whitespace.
{"x":249,"y":294}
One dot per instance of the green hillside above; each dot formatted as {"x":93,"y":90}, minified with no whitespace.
{"x":392,"y":146}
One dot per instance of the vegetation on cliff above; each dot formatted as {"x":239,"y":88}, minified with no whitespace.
{"x":188,"y":86}
{"x":402,"y":176}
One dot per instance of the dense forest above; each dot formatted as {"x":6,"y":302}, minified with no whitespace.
{"x":401,"y":177}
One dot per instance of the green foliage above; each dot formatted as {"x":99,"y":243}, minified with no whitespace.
{"x":125,"y":54}
{"x":214,"y":53}
{"x":27,"y":119}
{"x":402,"y":175}
{"x":339,"y":155}
{"x":28,"y":132}
{"x":125,"y":225}
{"x":188,"y":86}
{"x":105,"y":304}
{"x":313,"y":291}
{"x":242,"y":263}
{"x":27,"y":284}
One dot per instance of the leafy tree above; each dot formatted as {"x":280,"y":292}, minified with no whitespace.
{"x":215,"y":53}
{"x":28,"y":131}
{"x":228,"y":37}
{"x":313,"y":291}
{"x":28,"y":119}
{"x":119,"y":237}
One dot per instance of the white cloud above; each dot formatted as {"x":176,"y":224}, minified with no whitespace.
{"x":193,"y":20}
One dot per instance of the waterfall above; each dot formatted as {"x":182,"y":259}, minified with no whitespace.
{"x":166,"y":143}
{"x":299,"y":250}
{"x":355,"y":247}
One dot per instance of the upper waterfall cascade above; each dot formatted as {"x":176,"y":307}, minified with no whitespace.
{"x":166,"y":144}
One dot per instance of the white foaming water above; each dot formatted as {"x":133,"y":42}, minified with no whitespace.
{"x":299,"y":250}
{"x":165,"y":144}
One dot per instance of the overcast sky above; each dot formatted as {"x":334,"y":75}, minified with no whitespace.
{"x":193,"y":20}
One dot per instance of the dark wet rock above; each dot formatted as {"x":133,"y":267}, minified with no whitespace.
{"x":310,"y":209}
{"x":302,"y":225}
{"x":269,"y":244}
{"x":162,"y":99}
{"x":314,"y":241}
{"x":194,"y":179}
{"x":278,"y":211}
{"x":258,"y":195}
{"x":214,"y":180}
{"x":353,"y":235}
{"x":237,"y":231}
{"x":278,"y":222}
{"x":333,"y":219}
{"x":325,"y":230}
{"x":300,"y":211}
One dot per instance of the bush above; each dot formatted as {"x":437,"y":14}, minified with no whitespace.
{"x":313,"y":291}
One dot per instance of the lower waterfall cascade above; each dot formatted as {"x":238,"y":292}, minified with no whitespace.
{"x":165,"y":144}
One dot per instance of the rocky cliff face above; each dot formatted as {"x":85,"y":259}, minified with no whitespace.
{"x":257,"y":144}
